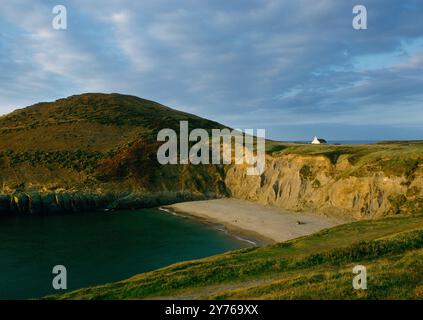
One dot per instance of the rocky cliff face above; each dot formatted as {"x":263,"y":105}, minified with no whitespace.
{"x":315,"y":183}
{"x":37,"y":203}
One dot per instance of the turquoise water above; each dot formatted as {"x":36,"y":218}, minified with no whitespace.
{"x":98,"y":247}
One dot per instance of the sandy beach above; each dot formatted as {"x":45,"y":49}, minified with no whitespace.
{"x":263,"y":223}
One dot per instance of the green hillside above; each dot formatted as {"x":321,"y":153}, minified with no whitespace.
{"x":95,"y":144}
{"x":91,"y":121}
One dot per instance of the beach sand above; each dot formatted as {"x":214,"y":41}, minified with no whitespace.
{"x":265,"y":224}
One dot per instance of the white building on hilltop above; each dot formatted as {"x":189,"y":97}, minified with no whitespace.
{"x":318,"y":141}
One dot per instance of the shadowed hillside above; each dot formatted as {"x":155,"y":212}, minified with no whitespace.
{"x":102,"y":144}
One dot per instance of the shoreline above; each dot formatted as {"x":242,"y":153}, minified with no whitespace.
{"x":251,"y":237}
{"x":248,"y":220}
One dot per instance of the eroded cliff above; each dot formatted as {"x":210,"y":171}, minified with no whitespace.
{"x":334,"y":185}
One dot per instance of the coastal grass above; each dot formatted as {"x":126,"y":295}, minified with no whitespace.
{"x":355,"y":153}
{"x":401,"y":158}
{"x":395,"y":277}
{"x":315,"y":266}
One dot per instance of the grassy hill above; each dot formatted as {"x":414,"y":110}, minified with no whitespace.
{"x":318,"y":266}
{"x":96,"y":143}
{"x":90,"y":122}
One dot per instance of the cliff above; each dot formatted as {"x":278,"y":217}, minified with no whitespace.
{"x":352,"y":181}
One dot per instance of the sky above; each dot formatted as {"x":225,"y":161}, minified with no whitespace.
{"x":297,"y":68}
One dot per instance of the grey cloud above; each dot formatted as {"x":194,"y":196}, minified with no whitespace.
{"x":240,"y":62}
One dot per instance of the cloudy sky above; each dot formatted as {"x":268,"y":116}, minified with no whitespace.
{"x":296,"y":68}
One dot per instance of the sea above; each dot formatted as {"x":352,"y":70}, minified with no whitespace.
{"x":99,"y":247}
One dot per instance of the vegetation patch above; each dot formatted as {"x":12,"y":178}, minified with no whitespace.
{"x":306,"y":173}
{"x":399,"y":167}
{"x":77,"y":160}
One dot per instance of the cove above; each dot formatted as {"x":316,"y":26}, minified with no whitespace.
{"x":98,"y":247}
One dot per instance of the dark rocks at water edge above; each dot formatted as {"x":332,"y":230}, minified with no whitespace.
{"x":62,"y":202}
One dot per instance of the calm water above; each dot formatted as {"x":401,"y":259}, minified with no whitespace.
{"x":98,"y":248}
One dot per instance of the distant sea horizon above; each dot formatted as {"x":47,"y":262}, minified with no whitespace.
{"x":341,"y":141}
